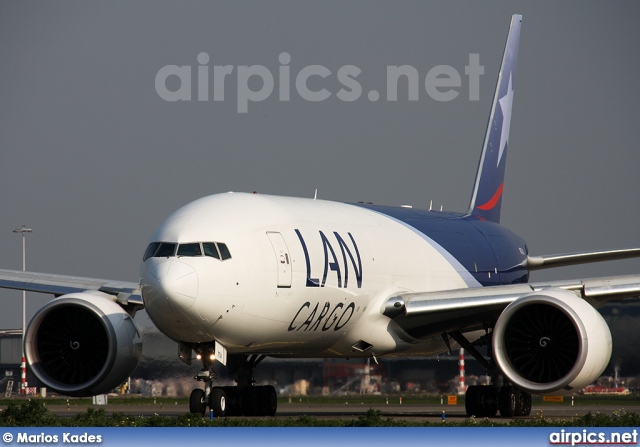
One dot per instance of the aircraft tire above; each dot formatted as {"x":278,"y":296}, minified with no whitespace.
{"x":250,"y":401}
{"x":234,"y":404}
{"x":197,"y":404}
{"x":524,"y":404}
{"x":509,"y":401}
{"x":218,"y":402}
{"x":489,"y":402}
{"x":269,"y":400}
{"x":471,"y":400}
{"x":481,"y":401}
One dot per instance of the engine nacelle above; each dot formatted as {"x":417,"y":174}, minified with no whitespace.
{"x":82,"y":344}
{"x":551,"y":341}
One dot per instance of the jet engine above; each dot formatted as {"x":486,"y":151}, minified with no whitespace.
{"x":82,"y":344}
{"x":551,"y":341}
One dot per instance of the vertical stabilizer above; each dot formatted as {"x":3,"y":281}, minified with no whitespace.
{"x":486,"y":200}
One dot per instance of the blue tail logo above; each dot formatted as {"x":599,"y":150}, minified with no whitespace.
{"x":486,"y":200}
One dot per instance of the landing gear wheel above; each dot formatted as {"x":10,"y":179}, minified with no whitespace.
{"x":268,"y":400}
{"x":218,"y":402}
{"x":259,"y":401}
{"x":250,"y":401}
{"x":234,"y":404}
{"x":508,"y":401}
{"x":197,"y":404}
{"x":481,"y":401}
{"x":489,"y":402}
{"x":471,"y":402}
{"x":524,"y":404}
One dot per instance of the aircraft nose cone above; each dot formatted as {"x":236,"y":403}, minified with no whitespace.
{"x":176,"y":281}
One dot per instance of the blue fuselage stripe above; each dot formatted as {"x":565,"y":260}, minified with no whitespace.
{"x":484,"y":252}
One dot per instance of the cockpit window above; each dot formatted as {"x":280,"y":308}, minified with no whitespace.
{"x":224,"y":251}
{"x":151,"y":250}
{"x":166,"y":249}
{"x":216,"y":250}
{"x":210,"y":249}
{"x":189,"y":249}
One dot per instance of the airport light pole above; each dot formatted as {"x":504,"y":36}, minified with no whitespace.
{"x":23,"y":384}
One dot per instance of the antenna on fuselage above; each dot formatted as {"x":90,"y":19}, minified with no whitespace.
{"x":315,"y":196}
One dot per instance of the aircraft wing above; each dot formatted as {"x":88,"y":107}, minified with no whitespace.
{"x":424,"y":315}
{"x":550,"y":261}
{"x":126,"y":293}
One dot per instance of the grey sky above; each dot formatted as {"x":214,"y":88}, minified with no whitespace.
{"x":94,"y":159}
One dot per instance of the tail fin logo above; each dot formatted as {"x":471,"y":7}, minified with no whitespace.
{"x":505,"y":106}
{"x":491,"y":204}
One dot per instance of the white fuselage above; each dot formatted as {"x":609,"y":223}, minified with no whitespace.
{"x":306,"y":278}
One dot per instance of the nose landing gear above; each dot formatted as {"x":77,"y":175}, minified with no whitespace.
{"x":245,"y":399}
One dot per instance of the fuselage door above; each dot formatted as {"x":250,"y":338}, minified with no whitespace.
{"x":283,"y":259}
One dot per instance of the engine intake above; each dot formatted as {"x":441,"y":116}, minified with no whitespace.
{"x":82,"y":344}
{"x":551,"y":341}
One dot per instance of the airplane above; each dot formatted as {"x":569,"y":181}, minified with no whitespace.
{"x":238,"y":277}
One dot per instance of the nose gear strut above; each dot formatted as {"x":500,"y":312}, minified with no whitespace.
{"x":245,"y":399}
